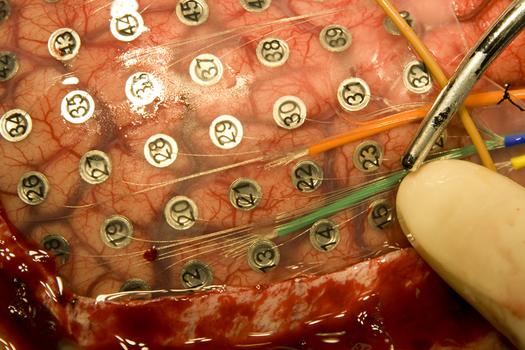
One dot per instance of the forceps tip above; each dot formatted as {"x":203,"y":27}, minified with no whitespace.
{"x":408,"y":161}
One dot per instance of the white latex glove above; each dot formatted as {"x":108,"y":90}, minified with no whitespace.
{"x":468,"y":223}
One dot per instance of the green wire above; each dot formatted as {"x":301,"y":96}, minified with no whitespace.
{"x":369,"y":190}
{"x":356,"y":196}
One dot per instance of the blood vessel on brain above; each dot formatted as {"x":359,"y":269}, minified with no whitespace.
{"x":247,"y":90}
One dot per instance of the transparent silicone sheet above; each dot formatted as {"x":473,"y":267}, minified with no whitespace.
{"x":159,"y":146}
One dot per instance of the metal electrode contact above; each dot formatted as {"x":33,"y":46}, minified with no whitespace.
{"x":510,"y":23}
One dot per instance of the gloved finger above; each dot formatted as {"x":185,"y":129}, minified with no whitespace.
{"x":468,"y":223}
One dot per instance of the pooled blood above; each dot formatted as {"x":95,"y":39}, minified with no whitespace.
{"x":409,"y":306}
{"x":35,"y":331}
{"x":25,"y":322}
{"x":423,"y":315}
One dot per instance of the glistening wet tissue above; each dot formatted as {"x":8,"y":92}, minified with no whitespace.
{"x":222,"y":174}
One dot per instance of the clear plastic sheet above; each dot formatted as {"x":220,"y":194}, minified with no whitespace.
{"x":171,"y":144}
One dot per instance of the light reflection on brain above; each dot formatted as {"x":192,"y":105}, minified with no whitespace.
{"x":167,"y":145}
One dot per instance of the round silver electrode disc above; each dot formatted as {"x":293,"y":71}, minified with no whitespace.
{"x":15,"y":125}
{"x":8,"y":64}
{"x":206,"y":69}
{"x":226,"y":132}
{"x":95,"y":167}
{"x":58,"y":246}
{"x":245,"y":194}
{"x":353,"y":94}
{"x":33,"y":188}
{"x":77,"y":107}
{"x":181,"y":213}
{"x":368,"y":156}
{"x":142,"y":89}
{"x":195,"y":274}
{"x":335,"y":38}
{"x":324,"y":235}
{"x":64,"y":44}
{"x":192,"y":12}
{"x":289,"y":112}
{"x":272,"y":52}
{"x":116,"y":231}
{"x":160,"y":150}
{"x":416,"y":77}
{"x":134,"y":284}
{"x":5,"y":10}
{"x":307,"y":176}
{"x":255,"y":5}
{"x":391,"y":28}
{"x":127,"y":26}
{"x":136,"y":289}
{"x":263,"y":255}
{"x":380,"y":214}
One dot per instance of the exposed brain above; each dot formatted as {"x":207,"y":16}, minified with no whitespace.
{"x":223,"y":173}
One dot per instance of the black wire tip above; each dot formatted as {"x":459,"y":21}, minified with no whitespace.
{"x":408,"y":161}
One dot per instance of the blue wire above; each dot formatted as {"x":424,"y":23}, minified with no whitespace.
{"x":514,"y":140}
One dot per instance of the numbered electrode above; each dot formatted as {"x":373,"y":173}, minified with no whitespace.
{"x":192,"y":12}
{"x":15,"y":125}
{"x":196,"y":274}
{"x":95,"y":167}
{"x":58,"y":246}
{"x":335,"y":38}
{"x":307,"y":176}
{"x":206,"y":69}
{"x":353,"y":94}
{"x":33,"y":188}
{"x":324,"y":235}
{"x":368,"y":156}
{"x":391,"y":28}
{"x":226,"y":132}
{"x":135,"y":284}
{"x":256,"y":5}
{"x":160,"y":150}
{"x":272,"y":52}
{"x":116,"y":231}
{"x":289,"y":112}
{"x":263,"y":255}
{"x":64,"y":44}
{"x":8,"y":65}
{"x":245,"y":194}
{"x":77,"y":107}
{"x":142,"y":89}
{"x":380,"y":214}
{"x":5,"y":10}
{"x":181,"y":213}
{"x":127,"y":26}
{"x":416,"y":77}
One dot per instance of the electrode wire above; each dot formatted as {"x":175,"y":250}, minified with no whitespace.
{"x":366,"y":129}
{"x":518,"y":162}
{"x":440,"y":77}
{"x":374,"y":127}
{"x":370,"y":189}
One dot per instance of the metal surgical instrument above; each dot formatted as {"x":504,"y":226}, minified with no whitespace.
{"x":496,"y":38}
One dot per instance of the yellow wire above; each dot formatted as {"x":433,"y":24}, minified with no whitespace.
{"x":518,"y":162}
{"x":440,"y":77}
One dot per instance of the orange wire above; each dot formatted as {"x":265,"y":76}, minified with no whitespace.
{"x":387,"y":123}
{"x":480,"y":99}
{"x":440,"y":77}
